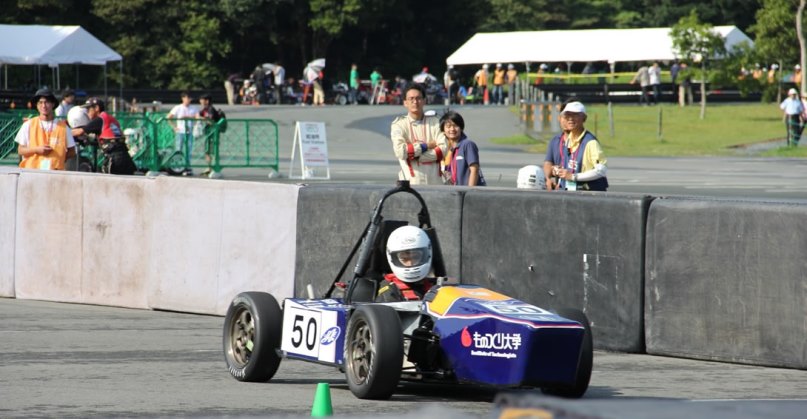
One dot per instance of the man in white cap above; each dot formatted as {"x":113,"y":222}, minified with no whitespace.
{"x":792,"y":108}
{"x":575,"y":159}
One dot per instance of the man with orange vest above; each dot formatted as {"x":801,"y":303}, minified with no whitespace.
{"x":409,"y":253}
{"x":45,"y":143}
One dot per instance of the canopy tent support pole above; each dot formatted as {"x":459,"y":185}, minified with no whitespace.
{"x":120,"y":91}
{"x":77,"y":68}
{"x":106,"y":91}
{"x":5,"y":69}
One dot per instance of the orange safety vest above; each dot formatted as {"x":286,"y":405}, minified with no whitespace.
{"x":57,"y":139}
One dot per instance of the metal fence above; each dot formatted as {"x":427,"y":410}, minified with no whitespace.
{"x":174,"y":145}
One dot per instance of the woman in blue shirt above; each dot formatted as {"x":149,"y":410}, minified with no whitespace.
{"x":462,"y":161}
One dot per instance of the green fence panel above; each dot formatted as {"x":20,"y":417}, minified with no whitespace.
{"x":155,"y":144}
{"x":9,"y":126}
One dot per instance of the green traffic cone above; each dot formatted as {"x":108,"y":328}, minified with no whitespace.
{"x":322,"y":402}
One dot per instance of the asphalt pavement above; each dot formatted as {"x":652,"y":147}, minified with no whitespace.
{"x":70,"y":361}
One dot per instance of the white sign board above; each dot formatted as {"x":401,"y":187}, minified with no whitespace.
{"x":311,"y":142}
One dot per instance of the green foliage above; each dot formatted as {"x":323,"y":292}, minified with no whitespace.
{"x":694,"y":40}
{"x":181,"y":44}
{"x":775,"y":30}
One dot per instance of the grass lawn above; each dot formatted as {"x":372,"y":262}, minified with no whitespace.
{"x":683,"y":133}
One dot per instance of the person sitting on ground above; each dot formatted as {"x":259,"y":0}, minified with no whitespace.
{"x":409,"y":253}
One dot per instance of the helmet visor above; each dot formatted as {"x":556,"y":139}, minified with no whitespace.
{"x":410,"y":257}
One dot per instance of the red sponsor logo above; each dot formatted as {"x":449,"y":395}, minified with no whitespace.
{"x":465,"y":338}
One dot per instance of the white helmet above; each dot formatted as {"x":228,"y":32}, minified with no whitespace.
{"x":409,"y":253}
{"x":77,"y":117}
{"x":530,"y":177}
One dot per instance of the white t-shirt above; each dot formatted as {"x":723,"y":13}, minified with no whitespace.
{"x":62,"y":110}
{"x":655,"y":75}
{"x":280,"y":74}
{"x":182,"y":111}
{"x":23,"y":135}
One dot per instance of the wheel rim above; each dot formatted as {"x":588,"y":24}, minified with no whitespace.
{"x":242,"y":337}
{"x":361,"y":353}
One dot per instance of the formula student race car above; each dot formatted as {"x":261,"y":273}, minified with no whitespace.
{"x":457,"y":334}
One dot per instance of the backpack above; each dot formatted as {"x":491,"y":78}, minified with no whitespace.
{"x":218,"y":115}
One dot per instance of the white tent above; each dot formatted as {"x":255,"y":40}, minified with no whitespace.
{"x":612,"y":45}
{"x":52,"y":46}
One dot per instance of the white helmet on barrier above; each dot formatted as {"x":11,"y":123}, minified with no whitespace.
{"x":530,"y":177}
{"x":77,"y":117}
{"x":409,"y":253}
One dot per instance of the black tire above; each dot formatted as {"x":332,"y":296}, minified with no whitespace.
{"x":585,"y":363}
{"x":342,"y":100}
{"x":175,"y":165}
{"x":373,"y":352}
{"x":84,"y":165}
{"x":252,"y":330}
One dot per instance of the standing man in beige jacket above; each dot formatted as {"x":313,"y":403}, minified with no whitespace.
{"x":417,"y":141}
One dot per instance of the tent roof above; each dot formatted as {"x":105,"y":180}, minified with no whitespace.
{"x":610,"y":45}
{"x":52,"y":45}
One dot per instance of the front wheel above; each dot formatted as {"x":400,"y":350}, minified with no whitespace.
{"x":586,"y":360}
{"x":252,"y":330}
{"x":373,"y":352}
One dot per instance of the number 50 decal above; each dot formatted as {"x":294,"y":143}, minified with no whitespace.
{"x":301,"y":330}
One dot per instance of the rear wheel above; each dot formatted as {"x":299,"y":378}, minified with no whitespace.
{"x":175,"y":165}
{"x":373,"y":352}
{"x":84,"y":165}
{"x":252,"y":330}
{"x":586,"y":360}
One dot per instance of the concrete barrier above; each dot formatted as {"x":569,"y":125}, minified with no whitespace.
{"x":555,"y":250}
{"x":8,"y":214}
{"x":331,"y":219}
{"x":213,"y":240}
{"x":726,"y":281}
{"x":168,"y":243}
{"x":82,"y":238}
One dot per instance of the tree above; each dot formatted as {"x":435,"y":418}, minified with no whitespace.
{"x":328,"y":21}
{"x":775,"y":33}
{"x":697,"y":42}
{"x":802,"y":47}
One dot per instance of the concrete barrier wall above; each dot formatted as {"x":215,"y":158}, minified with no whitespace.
{"x":168,"y":243}
{"x":213,"y":240}
{"x":562,"y":250}
{"x":726,"y":281}
{"x":331,"y":219}
{"x":8,"y":213}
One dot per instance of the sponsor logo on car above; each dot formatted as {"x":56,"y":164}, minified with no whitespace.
{"x":330,"y":335}
{"x":496,"y":345}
